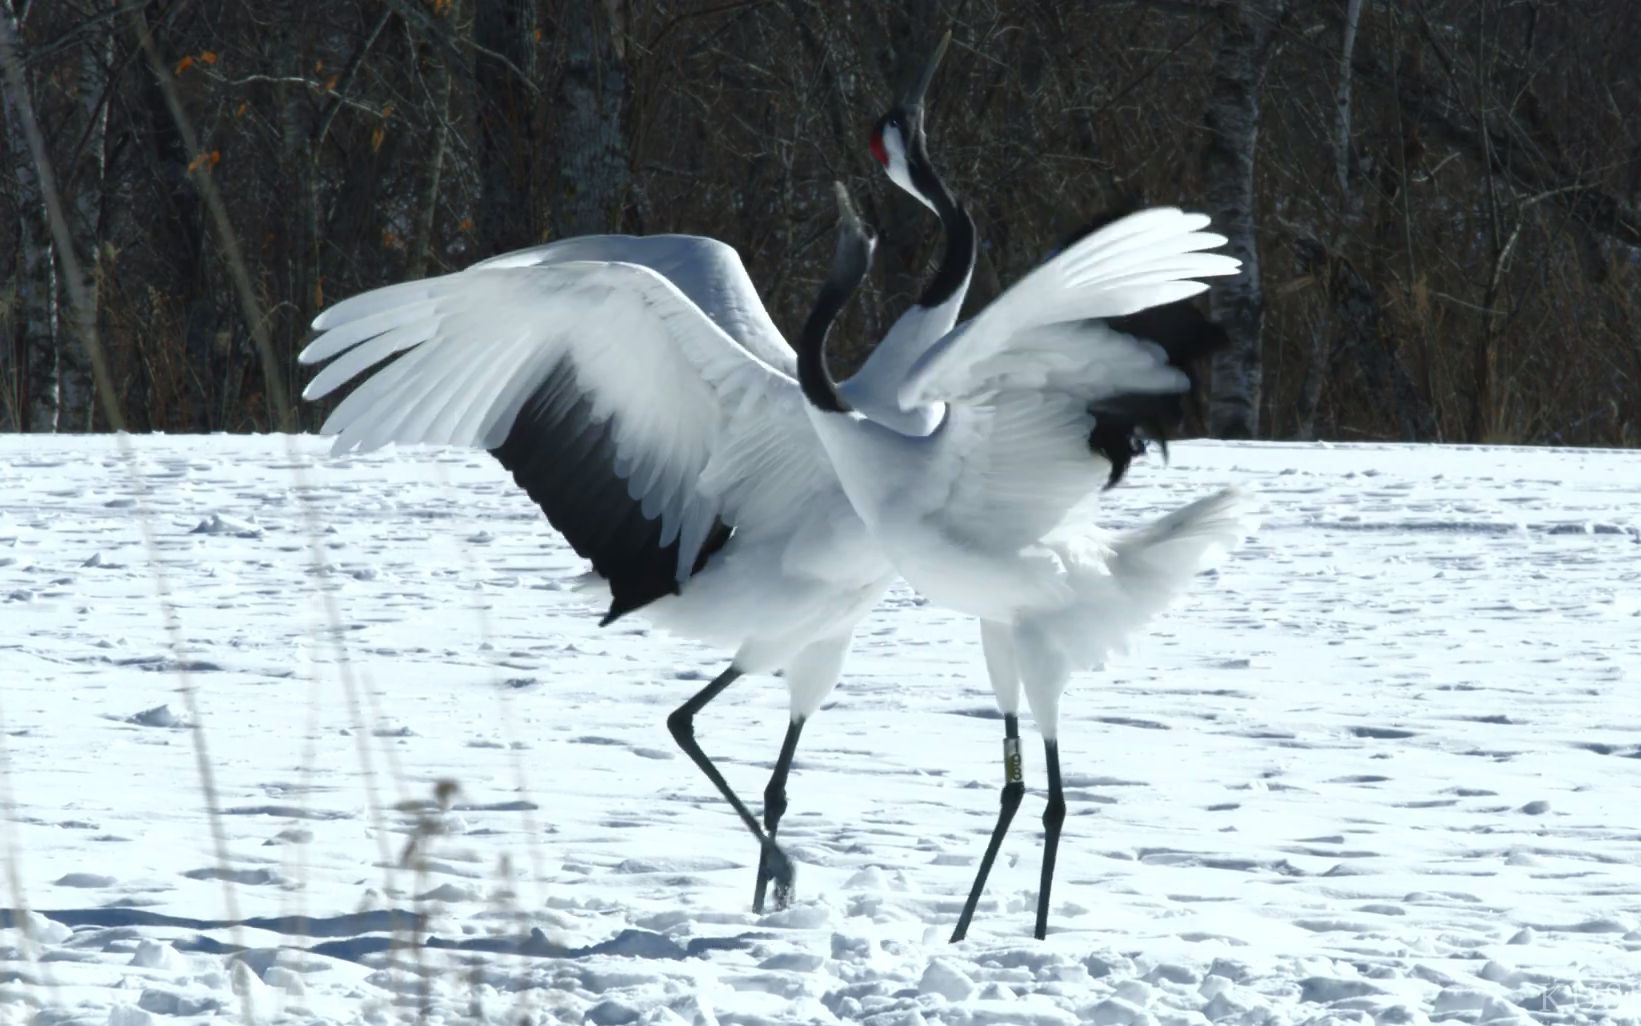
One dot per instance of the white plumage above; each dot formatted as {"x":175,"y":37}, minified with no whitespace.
{"x":982,"y":515}
{"x":695,"y":413}
{"x":640,"y":393}
{"x":997,"y":522}
{"x":634,"y":382}
{"x":652,"y":367}
{"x":960,"y":510}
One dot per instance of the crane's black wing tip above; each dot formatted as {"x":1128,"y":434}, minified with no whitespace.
{"x":564,"y":459}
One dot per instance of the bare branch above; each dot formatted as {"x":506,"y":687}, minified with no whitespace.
{"x":345,"y":80}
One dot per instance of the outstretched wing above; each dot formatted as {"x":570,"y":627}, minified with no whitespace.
{"x":1024,"y":340}
{"x":1029,"y":378}
{"x":708,"y":272}
{"x":603,"y":388}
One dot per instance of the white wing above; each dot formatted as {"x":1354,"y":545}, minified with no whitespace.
{"x":1140,"y":261}
{"x":1017,"y":462}
{"x":1024,"y":376}
{"x":708,"y":272}
{"x":602,"y":386}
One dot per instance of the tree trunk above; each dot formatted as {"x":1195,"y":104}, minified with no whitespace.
{"x":1351,"y":329}
{"x":590,"y":149}
{"x":303,"y":283}
{"x":11,"y":362}
{"x":427,"y":202}
{"x":1348,"y":203}
{"x":38,"y":329}
{"x":1351,"y":323}
{"x":184,"y":368}
{"x":90,"y":164}
{"x":37,"y":349}
{"x":507,"y":118}
{"x":1247,"y":30}
{"x":1320,"y":351}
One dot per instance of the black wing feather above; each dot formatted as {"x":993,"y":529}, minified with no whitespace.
{"x":1124,"y":423}
{"x":564,"y":460}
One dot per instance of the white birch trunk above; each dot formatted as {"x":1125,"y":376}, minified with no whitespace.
{"x":77,"y":392}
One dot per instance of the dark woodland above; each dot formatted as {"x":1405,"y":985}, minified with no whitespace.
{"x":1438,"y":202}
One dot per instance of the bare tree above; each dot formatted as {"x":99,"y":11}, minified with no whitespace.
{"x":36,"y":346}
{"x":89,"y":165}
{"x":590,"y":157}
{"x":438,"y":85}
{"x":1348,"y":210}
{"x":1437,"y":199}
{"x":505,"y":37}
{"x":1248,"y":31}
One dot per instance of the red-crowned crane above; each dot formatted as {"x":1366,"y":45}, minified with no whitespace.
{"x":982,"y":515}
{"x":680,"y":460}
{"x":1118,"y":427}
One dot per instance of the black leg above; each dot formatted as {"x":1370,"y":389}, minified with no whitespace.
{"x":1053,"y":817}
{"x":774,"y":809}
{"x":682,"y":725}
{"x":1014,"y":789}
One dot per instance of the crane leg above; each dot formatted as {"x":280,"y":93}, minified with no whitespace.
{"x":1053,"y":816}
{"x":774,"y":809}
{"x":682,"y":725}
{"x":1014,"y":790}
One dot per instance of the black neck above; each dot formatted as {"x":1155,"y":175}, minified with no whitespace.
{"x":958,"y":261}
{"x":813,"y":377}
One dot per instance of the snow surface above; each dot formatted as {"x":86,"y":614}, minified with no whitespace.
{"x":1382,"y":768}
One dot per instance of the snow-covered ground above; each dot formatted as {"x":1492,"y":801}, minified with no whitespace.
{"x":1384,"y":767}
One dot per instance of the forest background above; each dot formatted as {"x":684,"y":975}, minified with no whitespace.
{"x":1439,"y":201}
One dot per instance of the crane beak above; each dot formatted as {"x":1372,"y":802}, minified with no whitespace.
{"x":849,"y":222}
{"x":913,"y":101}
{"x":852,"y":260}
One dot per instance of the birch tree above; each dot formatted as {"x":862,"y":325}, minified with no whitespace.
{"x":89,"y":164}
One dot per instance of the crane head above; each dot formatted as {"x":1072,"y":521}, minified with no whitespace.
{"x":897,"y":138}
